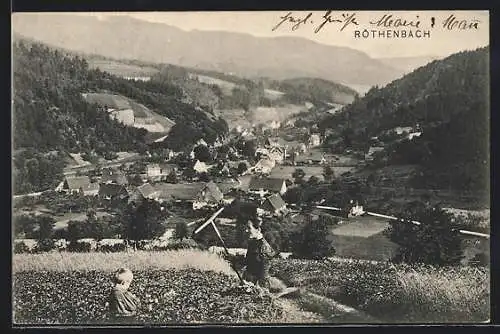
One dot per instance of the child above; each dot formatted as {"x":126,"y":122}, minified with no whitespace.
{"x":123,"y":304}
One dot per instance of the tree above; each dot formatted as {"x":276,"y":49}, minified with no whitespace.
{"x":312,"y":241}
{"x":249,"y":148}
{"x":202,"y":153}
{"x":46,"y":227}
{"x":328,"y":173}
{"x":46,"y":233}
{"x":172,"y":177}
{"x":145,"y":221}
{"x":204,"y":177}
{"x":242,"y":167}
{"x":298,"y":175}
{"x":435,"y":241}
{"x":181,"y":231}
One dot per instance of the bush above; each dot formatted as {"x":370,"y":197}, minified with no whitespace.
{"x":312,"y":241}
{"x":181,"y":244}
{"x":45,"y":245}
{"x":436,"y":241}
{"x":113,"y":247}
{"x":22,"y":248}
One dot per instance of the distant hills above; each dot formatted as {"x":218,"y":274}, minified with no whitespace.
{"x":233,"y":53}
{"x":53,"y":111}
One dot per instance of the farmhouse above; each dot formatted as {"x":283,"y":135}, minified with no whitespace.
{"x":79,"y":184}
{"x":264,"y":166}
{"x":314,"y":140}
{"x":363,"y":238}
{"x":286,"y":172}
{"x":198,"y":194}
{"x":146,"y":191}
{"x":274,"y":204}
{"x":110,"y":175}
{"x":311,"y":158}
{"x":263,"y":185}
{"x":117,"y":106}
{"x":200,"y":167}
{"x":161,"y":169}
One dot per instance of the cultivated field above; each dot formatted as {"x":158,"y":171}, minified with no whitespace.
{"x":174,"y":287}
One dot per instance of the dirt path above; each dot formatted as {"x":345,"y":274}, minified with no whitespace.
{"x":293,"y":313}
{"x":306,"y":307}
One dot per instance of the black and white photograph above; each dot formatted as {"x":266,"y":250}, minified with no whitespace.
{"x":250,"y":168}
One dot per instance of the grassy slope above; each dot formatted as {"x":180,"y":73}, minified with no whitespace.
{"x":396,"y":293}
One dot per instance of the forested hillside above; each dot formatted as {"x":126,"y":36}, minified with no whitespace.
{"x":449,"y":100}
{"x":299,"y":90}
{"x":50,"y":114}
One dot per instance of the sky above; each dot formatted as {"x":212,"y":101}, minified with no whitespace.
{"x":442,"y":42}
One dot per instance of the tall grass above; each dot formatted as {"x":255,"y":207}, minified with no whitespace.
{"x":396,"y":293}
{"x":139,"y":260}
{"x":434,"y":294}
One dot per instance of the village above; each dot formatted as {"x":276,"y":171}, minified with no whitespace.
{"x":257,"y":164}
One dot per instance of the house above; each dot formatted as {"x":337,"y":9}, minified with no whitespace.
{"x":145,"y":191}
{"x":363,"y":238}
{"x":111,"y":191}
{"x":264,"y":185}
{"x":414,"y":134}
{"x":275,"y":142}
{"x":370,"y":155}
{"x":117,"y":106}
{"x":210,"y":194}
{"x":200,"y":167}
{"x":264,"y":166}
{"x":274,"y":204}
{"x":314,"y":140}
{"x":308,"y":105}
{"x":80,"y":184}
{"x":312,"y":158}
{"x":197,"y":194}
{"x":402,"y":130}
{"x":111,"y":175}
{"x":201,"y":142}
{"x":153,"y":170}
{"x":277,"y":154}
{"x":286,"y":172}
{"x":160,"y":169}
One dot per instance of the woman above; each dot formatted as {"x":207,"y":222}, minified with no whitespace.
{"x":258,"y":257}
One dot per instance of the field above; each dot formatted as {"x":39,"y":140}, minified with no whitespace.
{"x":121,"y":69}
{"x":174,"y":287}
{"x":396,"y":293}
{"x":193,"y":286}
{"x":280,"y":114}
{"x":225,"y":86}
